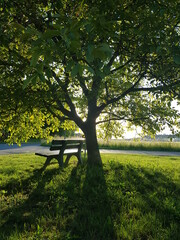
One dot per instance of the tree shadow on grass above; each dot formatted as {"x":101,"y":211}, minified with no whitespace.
{"x":29,"y":204}
{"x":15,"y":186}
{"x":146,"y":198}
{"x":85,"y":202}
{"x":77,"y":205}
{"x":158,"y":191}
{"x":93,"y":216}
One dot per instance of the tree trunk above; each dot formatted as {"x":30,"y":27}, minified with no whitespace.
{"x":94,"y":157}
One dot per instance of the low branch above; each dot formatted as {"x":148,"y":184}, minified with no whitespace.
{"x":61,"y":118}
{"x":100,"y":108}
{"x":64,"y":88}
{"x":120,"y":67}
{"x":107,"y":92}
{"x":116,"y":53}
{"x":121,"y":119}
{"x":83,"y":86}
{"x":72,"y":115}
{"x":59,"y":103}
{"x":108,"y":120}
{"x":165,"y":88}
{"x":85,"y":61}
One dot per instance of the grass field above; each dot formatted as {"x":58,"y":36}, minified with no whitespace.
{"x":131,"y":197}
{"x":140,"y":145}
{"x":134,"y":145}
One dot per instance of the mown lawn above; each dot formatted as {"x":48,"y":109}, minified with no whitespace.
{"x":131,"y":197}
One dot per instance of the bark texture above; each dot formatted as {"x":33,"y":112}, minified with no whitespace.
{"x":94,"y":157}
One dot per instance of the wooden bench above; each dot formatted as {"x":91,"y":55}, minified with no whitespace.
{"x":59,"y":148}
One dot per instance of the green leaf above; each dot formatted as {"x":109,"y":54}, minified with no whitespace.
{"x":75,"y":70}
{"x":48,"y":72}
{"x":106,"y":49}
{"x":26,"y":83}
{"x":41,"y":77}
{"x":89,"y":69}
{"x":32,"y":31}
{"x":99,"y":53}
{"x":37,"y":43}
{"x":50,"y":34}
{"x":89,"y":53}
{"x":35,"y":57}
{"x":69,"y":65}
{"x":40,"y":67}
{"x":177,"y":59}
{"x":100,"y":74}
{"x":106,"y":70}
{"x":80,"y":69}
{"x":75,"y":44}
{"x":102,"y":52}
{"x":56,"y":15}
{"x":17,"y":26}
{"x":32,"y":79}
{"x":47,"y":56}
{"x":158,"y":49}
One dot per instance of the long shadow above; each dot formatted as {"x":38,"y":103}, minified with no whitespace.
{"x":147,"y":183}
{"x":88,"y":207}
{"x":39,"y":203}
{"x":25,"y":211}
{"x":14,"y":187}
{"x":157,"y":194}
{"x":93,"y":218}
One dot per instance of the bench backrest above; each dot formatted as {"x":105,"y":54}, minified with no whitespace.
{"x":66,"y":144}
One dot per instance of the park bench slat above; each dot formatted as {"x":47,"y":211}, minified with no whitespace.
{"x":60,"y":142}
{"x":67,"y":146}
{"x":59,"y":148}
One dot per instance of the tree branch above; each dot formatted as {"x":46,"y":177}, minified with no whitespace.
{"x":80,"y":79}
{"x":72,"y":115}
{"x":164,"y":88}
{"x":83,"y":60}
{"x":113,"y":58}
{"x":100,"y":108}
{"x":59,"y":103}
{"x":64,"y":88}
{"x":83,"y":86}
{"x":121,"y":119}
{"x":61,"y":118}
{"x":107,"y":120}
{"x":120,"y":67}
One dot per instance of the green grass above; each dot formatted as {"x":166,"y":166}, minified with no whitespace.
{"x":135,"y":145}
{"x":131,"y":197}
{"x":140,"y":145}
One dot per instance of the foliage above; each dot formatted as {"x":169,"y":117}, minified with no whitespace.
{"x":131,"y":197}
{"x":90,"y":62}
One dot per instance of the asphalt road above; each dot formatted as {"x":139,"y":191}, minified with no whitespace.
{"x":25,"y":148}
{"x":32,"y":148}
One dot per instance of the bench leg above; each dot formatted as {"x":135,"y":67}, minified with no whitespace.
{"x":67,"y":159}
{"x":70,"y":155}
{"x":79,"y":158}
{"x":60,"y":160}
{"x":48,"y":161}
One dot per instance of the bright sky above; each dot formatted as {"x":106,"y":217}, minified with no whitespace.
{"x":135,"y":133}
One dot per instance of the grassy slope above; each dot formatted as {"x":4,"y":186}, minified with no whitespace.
{"x":132,"y":197}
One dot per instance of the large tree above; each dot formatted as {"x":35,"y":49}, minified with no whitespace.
{"x":88,"y":62}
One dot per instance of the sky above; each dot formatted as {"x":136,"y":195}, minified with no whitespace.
{"x":135,"y":133}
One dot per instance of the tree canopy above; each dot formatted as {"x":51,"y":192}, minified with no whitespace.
{"x":88,"y":62}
